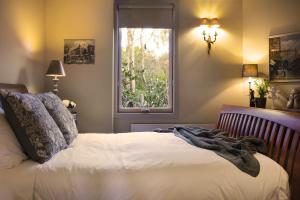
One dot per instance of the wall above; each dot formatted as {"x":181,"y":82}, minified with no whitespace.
{"x":203,"y":82}
{"x":264,"y":18}
{"x":22,"y":43}
{"x":90,"y":86}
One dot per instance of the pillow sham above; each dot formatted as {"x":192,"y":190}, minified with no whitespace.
{"x":11,"y":153}
{"x":61,"y":115}
{"x":33,"y":126}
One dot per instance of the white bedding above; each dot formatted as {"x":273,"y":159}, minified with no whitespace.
{"x":140,"y":166}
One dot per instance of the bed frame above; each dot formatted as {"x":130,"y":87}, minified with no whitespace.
{"x":280,"y":130}
{"x":14,"y":87}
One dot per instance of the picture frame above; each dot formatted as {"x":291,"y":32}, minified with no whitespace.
{"x":284,"y":57}
{"x":79,"y":51}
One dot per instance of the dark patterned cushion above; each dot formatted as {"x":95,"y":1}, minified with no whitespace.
{"x":61,"y":115}
{"x":35,"y":129}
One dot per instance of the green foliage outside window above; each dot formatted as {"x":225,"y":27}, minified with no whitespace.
{"x":144,"y":72}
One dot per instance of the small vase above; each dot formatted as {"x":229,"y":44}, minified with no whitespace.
{"x":260,"y":102}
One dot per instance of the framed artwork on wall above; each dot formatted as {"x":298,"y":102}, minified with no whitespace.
{"x":79,"y":51}
{"x":284,"y":57}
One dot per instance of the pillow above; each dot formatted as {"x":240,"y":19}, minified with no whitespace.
{"x":35,"y":129}
{"x":61,"y":115}
{"x":11,"y":153}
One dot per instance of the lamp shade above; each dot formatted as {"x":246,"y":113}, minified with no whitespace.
{"x":56,"y":69}
{"x":214,"y":23}
{"x":250,"y":70}
{"x":204,"y":22}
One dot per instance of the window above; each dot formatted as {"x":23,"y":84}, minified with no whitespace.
{"x":145,"y":54}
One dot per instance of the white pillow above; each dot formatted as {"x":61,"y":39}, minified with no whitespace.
{"x":11,"y":153}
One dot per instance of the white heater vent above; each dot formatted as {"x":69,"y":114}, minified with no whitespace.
{"x":151,"y":127}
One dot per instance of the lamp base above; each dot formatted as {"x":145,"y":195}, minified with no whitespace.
{"x":251,"y":96}
{"x":55,"y":85}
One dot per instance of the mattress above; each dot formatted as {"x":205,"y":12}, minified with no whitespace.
{"x":140,"y":166}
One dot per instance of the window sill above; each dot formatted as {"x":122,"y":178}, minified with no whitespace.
{"x":145,"y":115}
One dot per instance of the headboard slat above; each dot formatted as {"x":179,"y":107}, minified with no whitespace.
{"x":252,"y":126}
{"x":268,"y":132}
{"x":263,"y":128}
{"x":292,"y":153}
{"x":243,"y":128}
{"x":257,"y":127}
{"x":285,"y":147}
{"x":278,"y":143}
{"x":240,"y":126}
{"x":272,"y":139}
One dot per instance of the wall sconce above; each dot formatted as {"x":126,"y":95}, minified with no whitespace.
{"x":209,"y":25}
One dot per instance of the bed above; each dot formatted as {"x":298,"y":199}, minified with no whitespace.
{"x":161,"y":166}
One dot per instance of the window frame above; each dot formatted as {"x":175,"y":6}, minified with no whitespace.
{"x":117,"y":59}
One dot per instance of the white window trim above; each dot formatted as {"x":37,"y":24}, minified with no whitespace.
{"x":137,"y":112}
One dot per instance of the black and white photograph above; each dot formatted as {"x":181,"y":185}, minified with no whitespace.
{"x":79,"y":51}
{"x":285,"y":58}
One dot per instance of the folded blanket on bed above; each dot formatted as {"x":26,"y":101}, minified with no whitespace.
{"x":238,"y":151}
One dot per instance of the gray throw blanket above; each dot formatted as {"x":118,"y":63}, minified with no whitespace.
{"x":238,"y":151}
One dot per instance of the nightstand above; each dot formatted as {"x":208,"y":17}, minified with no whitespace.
{"x":75,"y":115}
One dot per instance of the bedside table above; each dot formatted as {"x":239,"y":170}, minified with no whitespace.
{"x":75,"y":115}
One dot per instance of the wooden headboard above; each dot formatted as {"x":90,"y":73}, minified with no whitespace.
{"x":13,"y":87}
{"x":280,"y":130}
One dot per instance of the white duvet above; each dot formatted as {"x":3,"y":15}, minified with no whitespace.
{"x":140,"y":166}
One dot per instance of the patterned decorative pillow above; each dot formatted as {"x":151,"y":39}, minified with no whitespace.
{"x":33,"y":126}
{"x":61,"y":115}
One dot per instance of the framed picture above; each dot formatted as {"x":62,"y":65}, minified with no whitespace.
{"x":79,"y":51}
{"x":284,"y":57}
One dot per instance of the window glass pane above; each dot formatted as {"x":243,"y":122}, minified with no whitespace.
{"x":145,"y":65}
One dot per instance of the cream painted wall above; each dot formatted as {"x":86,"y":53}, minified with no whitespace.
{"x":22,"y":43}
{"x":264,"y":18}
{"x":203,"y":83}
{"x":90,"y":86}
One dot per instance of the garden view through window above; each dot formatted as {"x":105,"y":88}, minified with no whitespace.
{"x":145,"y":69}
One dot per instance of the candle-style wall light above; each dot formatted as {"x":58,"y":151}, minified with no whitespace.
{"x":209,"y":27}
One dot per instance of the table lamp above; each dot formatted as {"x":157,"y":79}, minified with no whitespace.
{"x":250,"y":70}
{"x":55,"y":70}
